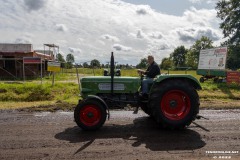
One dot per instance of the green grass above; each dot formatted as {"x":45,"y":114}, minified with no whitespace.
{"x":31,"y":94}
{"x":64,"y":94}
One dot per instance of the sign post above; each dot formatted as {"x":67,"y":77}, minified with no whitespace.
{"x":53,"y":67}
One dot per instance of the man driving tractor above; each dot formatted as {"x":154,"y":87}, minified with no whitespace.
{"x":152,"y":71}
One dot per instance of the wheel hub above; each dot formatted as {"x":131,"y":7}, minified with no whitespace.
{"x":173,"y":103}
{"x":90,"y":115}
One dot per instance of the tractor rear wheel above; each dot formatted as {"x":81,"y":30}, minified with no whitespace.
{"x":174,"y":104}
{"x":90,"y":115}
{"x":145,"y":109}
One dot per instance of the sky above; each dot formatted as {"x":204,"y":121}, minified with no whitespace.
{"x":92,"y":29}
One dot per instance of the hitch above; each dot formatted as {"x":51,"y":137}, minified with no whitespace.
{"x":136,"y":110}
{"x":200,"y":117}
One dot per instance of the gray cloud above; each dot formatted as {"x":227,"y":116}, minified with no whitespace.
{"x":61,"y":27}
{"x":35,"y":4}
{"x":141,"y":11}
{"x":110,"y":38}
{"x":140,"y":34}
{"x":191,"y":35}
{"x":74,"y":50}
{"x":163,"y":47}
{"x":156,"y":35}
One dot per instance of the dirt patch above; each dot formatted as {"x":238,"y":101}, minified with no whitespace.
{"x":58,"y":106}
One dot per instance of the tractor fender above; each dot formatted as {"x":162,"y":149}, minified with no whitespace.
{"x":187,"y":78}
{"x":101,"y":101}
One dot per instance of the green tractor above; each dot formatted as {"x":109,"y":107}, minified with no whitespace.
{"x":172,"y":100}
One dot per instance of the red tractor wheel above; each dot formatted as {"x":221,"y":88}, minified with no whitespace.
{"x":174,"y":104}
{"x":90,"y":115}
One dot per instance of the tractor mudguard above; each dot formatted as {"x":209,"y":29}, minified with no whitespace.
{"x":89,"y":97}
{"x":189,"y":78}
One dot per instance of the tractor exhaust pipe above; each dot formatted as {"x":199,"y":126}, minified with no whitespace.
{"x":112,"y":71}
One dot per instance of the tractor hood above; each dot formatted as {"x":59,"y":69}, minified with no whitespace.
{"x":102,"y":84}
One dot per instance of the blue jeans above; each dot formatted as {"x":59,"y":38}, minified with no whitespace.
{"x":145,"y":84}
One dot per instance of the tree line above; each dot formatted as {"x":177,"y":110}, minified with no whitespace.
{"x":69,"y":63}
{"x":184,"y":57}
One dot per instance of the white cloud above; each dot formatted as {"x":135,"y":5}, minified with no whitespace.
{"x":201,"y":1}
{"x":23,"y":40}
{"x":119,"y":47}
{"x":92,"y":30}
{"x":195,"y":1}
{"x":109,"y":38}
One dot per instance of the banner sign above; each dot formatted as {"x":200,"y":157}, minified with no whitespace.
{"x":214,"y":58}
{"x":233,"y":77}
{"x":53,"y":66}
{"x":32,"y":60}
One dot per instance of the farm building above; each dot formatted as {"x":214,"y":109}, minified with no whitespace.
{"x":19,"y":61}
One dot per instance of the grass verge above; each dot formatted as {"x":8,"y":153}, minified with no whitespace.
{"x":32,"y":96}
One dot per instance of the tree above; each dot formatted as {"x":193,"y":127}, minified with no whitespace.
{"x":95,"y":63}
{"x":233,"y":58}
{"x":60,"y":57}
{"x":143,"y":63}
{"x":192,"y":56}
{"x":178,"y":56}
{"x":166,"y":63}
{"x":70,"y":60}
{"x":85,"y":65}
{"x":102,"y":66}
{"x":192,"y":59}
{"x":229,"y":12}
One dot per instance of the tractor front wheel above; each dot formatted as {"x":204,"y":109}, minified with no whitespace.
{"x":174,"y":104}
{"x":90,"y":115}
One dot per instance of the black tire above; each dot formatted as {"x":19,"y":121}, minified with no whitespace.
{"x":145,"y":109}
{"x":174,"y":104}
{"x":90,"y":115}
{"x":201,"y":79}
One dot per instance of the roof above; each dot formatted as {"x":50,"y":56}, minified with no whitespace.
{"x":51,"y":45}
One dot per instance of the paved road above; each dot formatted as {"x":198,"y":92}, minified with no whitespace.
{"x":125,"y":136}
